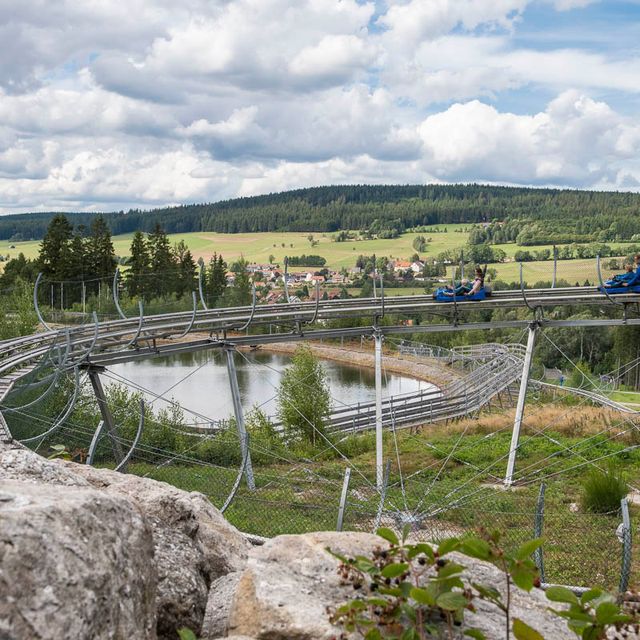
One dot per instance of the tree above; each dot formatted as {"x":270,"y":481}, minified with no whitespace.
{"x":137,"y":276}
{"x":241,"y":289}
{"x":186,"y":276}
{"x":271,"y":258}
{"x":162,"y":262}
{"x":100,"y":256}
{"x":217,"y":279}
{"x":54,"y":249}
{"x":304,"y":400}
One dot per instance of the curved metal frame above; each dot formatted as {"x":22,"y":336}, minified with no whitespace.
{"x":317,"y":309}
{"x":39,"y":399}
{"x":139,"y":329}
{"x":555,"y":266}
{"x":455,"y":302}
{"x":236,"y":484}
{"x":116,"y":297}
{"x":603,"y":288}
{"x":123,"y":463}
{"x":65,"y":414}
{"x":200,"y":291}
{"x":94,"y":339}
{"x":193,"y":319}
{"x":524,"y":295}
{"x":35,"y":303}
{"x":94,"y":442}
{"x":253,"y":309}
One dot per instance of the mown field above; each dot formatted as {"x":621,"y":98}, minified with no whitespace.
{"x":258,"y":247}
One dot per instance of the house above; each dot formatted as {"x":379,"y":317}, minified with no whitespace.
{"x":401,"y":265}
{"x":417,"y":266}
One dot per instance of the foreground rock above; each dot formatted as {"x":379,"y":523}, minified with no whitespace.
{"x":284,"y":592}
{"x":73,"y":564}
{"x":192,"y":543}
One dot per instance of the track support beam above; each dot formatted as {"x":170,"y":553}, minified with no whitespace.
{"x":378,"y":369}
{"x":239,"y":415}
{"x":522,"y":395}
{"x":105,"y":412}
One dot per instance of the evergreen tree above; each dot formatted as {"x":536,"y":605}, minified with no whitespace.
{"x":216,"y":280}
{"x":100,"y":255}
{"x":137,"y":276}
{"x":54,"y":249}
{"x":77,"y":268}
{"x":186,"y":276}
{"x":240,"y":294}
{"x":163,"y":263}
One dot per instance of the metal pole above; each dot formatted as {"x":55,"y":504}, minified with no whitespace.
{"x":524,"y":381}
{"x":625,"y":538}
{"x":555,"y":266}
{"x":84,"y":297}
{"x":343,"y":498}
{"x":538,"y":526}
{"x":106,"y":414}
{"x":378,"y":365}
{"x":237,"y":409}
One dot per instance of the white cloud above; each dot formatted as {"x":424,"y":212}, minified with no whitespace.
{"x":109,"y":104}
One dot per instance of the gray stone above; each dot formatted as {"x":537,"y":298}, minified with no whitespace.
{"x":74,"y":563}
{"x":194,"y":544}
{"x":221,"y":595}
{"x":284,"y":592}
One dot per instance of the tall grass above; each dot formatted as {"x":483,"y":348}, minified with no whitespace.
{"x":602,"y":491}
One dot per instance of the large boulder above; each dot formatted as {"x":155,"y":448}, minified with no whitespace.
{"x":284,"y":592}
{"x":193,"y":544}
{"x":74,"y":563}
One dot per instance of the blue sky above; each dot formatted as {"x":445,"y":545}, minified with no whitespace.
{"x":113,"y":105}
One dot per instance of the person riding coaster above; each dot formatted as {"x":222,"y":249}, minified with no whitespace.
{"x":627,"y":282}
{"x":465,"y":290}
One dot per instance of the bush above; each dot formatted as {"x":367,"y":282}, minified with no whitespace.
{"x":603,"y":490}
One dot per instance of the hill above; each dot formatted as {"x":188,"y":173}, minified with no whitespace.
{"x":549,"y":215}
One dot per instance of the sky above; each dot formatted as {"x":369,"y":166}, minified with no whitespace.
{"x":110,"y":105}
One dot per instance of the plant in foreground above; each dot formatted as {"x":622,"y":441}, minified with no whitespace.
{"x":417,"y":591}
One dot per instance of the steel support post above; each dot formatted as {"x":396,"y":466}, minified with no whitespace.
{"x":343,"y":498}
{"x":105,"y":412}
{"x":237,"y":410}
{"x":378,"y":368}
{"x":522,"y":395}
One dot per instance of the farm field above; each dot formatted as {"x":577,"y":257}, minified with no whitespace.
{"x":257,"y":247}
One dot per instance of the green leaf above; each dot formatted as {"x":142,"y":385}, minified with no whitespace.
{"x":409,"y":634}
{"x":524,"y":576}
{"x":476,"y":634}
{"x":522,"y":631}
{"x":487,"y":592}
{"x":421,"y":548}
{"x":450,"y":569}
{"x":388,"y":535}
{"x":527,"y":549}
{"x":406,"y":530}
{"x":394,"y":570}
{"x":423,"y":596}
{"x":373,"y":634}
{"x":590,"y":595}
{"x":609,"y":613}
{"x":476,"y":548}
{"x":186,"y":634}
{"x":448,"y":545}
{"x":561,"y":594}
{"x":451,"y":601}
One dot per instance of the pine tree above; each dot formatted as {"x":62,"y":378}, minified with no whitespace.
{"x":217,"y":280}
{"x":186,"y":280}
{"x":163,"y":263}
{"x":137,"y":276}
{"x":100,"y":255}
{"x":55,"y":253}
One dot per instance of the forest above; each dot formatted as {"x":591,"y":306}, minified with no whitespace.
{"x":524,"y":215}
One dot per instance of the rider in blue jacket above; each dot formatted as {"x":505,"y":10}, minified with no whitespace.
{"x":636,"y":279}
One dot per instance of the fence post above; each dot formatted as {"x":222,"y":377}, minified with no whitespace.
{"x":383,"y":495}
{"x":624,"y":534}
{"x":538,"y":556}
{"x":343,"y":498}
{"x":378,"y":376}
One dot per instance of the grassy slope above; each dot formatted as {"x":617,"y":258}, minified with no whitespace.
{"x":257,"y":247}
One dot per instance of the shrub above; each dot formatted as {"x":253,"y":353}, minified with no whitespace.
{"x":603,"y":490}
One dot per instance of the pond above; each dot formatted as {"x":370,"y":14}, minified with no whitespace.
{"x":199,"y":382}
